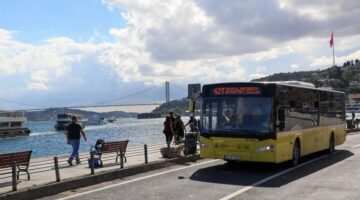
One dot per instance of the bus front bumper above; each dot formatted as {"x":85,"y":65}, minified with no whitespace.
{"x":238,"y":149}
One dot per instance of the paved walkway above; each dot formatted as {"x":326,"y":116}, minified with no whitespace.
{"x":42,"y":169}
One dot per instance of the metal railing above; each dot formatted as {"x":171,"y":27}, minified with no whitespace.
{"x":58,"y":163}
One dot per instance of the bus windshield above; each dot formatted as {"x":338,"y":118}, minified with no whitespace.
{"x":237,"y":116}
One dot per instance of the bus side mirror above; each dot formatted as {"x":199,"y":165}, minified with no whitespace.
{"x":191,"y":106}
{"x":281,"y":115}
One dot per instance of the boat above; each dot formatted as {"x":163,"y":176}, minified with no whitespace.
{"x":12,"y":124}
{"x":111,"y":119}
{"x":95,"y":120}
{"x":63,"y":120}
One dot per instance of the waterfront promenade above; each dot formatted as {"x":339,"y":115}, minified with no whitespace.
{"x":42,"y":169}
{"x":319,"y":176}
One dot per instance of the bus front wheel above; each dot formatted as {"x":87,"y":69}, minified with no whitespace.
{"x":331,"y":148}
{"x":296,"y":154}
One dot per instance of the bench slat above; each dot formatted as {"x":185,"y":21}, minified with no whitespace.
{"x":115,"y":146}
{"x":21,"y":158}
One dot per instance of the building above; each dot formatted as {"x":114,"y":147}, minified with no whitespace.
{"x":353,"y":103}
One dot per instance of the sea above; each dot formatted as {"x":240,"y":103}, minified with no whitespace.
{"x":45,"y":141}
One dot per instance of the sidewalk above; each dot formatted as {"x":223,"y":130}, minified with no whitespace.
{"x":42,"y":169}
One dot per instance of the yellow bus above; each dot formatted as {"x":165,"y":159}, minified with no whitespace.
{"x":269,"y":121}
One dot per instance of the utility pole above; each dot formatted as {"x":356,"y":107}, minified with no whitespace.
{"x":167,"y":91}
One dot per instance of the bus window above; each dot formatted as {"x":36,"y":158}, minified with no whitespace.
{"x":238,"y":115}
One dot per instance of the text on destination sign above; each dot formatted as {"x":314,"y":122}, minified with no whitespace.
{"x":236,"y":90}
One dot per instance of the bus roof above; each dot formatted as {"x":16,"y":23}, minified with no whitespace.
{"x":297,"y":84}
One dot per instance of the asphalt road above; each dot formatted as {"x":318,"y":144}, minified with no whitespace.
{"x":319,"y":176}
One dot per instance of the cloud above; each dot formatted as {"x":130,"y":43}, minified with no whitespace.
{"x":259,"y":73}
{"x":328,"y":60}
{"x":186,"y":41}
{"x":294,"y":66}
{"x":37,"y":86}
{"x":161,"y":36}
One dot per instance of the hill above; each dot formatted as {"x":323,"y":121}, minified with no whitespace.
{"x":51,"y":114}
{"x":180,"y":106}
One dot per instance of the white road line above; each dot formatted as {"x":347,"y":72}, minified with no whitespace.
{"x":134,"y":180}
{"x":242,"y":190}
{"x":356,"y":146}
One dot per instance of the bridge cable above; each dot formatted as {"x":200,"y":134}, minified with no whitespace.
{"x":178,"y":86}
{"x":123,"y":97}
{"x":22,"y":104}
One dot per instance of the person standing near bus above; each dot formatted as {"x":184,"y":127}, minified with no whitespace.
{"x":168,"y":130}
{"x":73,"y":134}
{"x":179,"y":129}
{"x":192,"y":123}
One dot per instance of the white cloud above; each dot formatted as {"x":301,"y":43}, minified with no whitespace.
{"x":185,"y":41}
{"x":40,"y":76}
{"x":294,"y":66}
{"x":259,"y":73}
{"x":325,"y":61}
{"x":37,"y":86}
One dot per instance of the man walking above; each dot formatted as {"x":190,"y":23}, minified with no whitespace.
{"x":73,"y":138}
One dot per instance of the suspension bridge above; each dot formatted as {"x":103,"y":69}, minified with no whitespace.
{"x":108,"y":102}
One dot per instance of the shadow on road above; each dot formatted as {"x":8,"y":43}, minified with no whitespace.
{"x":245,"y":174}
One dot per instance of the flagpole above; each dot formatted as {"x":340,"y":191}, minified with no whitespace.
{"x":333,"y":50}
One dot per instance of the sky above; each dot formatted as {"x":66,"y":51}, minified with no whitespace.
{"x":66,"y":53}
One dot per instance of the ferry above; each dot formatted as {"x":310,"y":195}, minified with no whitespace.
{"x":12,"y":124}
{"x":95,"y":120}
{"x":63,"y":120}
{"x":111,"y":119}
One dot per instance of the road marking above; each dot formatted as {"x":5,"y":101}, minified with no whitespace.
{"x":242,"y":190}
{"x":356,"y":146}
{"x":136,"y":179}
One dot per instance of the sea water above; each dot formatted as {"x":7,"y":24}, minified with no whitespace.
{"x":45,"y":141}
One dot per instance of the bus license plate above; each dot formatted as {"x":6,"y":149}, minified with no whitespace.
{"x":232,"y":157}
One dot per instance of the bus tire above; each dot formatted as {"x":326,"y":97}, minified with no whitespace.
{"x":296,"y":154}
{"x":331,"y":148}
{"x":231,"y":163}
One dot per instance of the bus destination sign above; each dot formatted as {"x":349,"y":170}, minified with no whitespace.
{"x":236,"y":91}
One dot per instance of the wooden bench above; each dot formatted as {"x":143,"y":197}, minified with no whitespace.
{"x":117,"y":147}
{"x":22,"y":160}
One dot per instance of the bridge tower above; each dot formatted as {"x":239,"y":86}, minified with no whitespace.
{"x":167,"y":91}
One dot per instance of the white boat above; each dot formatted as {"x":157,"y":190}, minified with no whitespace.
{"x":63,"y":120}
{"x":12,"y":124}
{"x":95,"y":120}
{"x":111,"y":119}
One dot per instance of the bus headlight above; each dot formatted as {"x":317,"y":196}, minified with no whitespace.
{"x":266,"y":148}
{"x":203,"y":145}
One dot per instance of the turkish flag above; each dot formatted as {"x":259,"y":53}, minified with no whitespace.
{"x":331,"y":42}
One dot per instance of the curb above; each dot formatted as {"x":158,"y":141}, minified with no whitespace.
{"x":88,"y":180}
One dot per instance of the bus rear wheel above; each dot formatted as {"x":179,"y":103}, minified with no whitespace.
{"x":296,"y":154}
{"x":231,"y":163}
{"x":331,"y":148}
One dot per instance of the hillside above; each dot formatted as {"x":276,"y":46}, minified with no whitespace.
{"x":345,"y":78}
{"x":51,"y":114}
{"x":180,"y":106}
